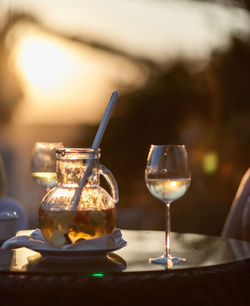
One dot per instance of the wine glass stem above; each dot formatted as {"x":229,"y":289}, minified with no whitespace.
{"x":168,"y":227}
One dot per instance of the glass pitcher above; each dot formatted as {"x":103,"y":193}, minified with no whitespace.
{"x":59,"y":221}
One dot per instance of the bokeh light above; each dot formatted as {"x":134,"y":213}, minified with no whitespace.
{"x":210,"y":162}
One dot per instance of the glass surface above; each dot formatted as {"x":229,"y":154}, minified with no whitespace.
{"x":43,"y":163}
{"x":167,"y":177}
{"x":199,"y":251}
{"x":60,"y":220}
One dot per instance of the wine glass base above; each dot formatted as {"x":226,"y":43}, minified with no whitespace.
{"x":168,"y":261}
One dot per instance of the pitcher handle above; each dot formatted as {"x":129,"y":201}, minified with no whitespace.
{"x":108,"y":175}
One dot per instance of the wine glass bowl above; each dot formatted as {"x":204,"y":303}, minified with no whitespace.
{"x":43,"y":163}
{"x":167,"y":176}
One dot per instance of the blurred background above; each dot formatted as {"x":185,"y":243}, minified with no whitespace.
{"x":182,"y":69}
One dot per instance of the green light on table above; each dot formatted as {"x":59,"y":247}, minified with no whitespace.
{"x":99,"y":275}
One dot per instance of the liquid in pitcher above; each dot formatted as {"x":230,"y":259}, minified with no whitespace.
{"x":65,"y":227}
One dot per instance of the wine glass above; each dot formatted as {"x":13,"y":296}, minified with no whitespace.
{"x":43,"y":163}
{"x":167,"y":177}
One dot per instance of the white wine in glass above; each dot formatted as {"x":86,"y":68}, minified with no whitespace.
{"x":43,"y":163}
{"x":45,"y":179}
{"x":167,"y":177}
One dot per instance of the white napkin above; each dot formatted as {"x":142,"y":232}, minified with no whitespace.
{"x":37,"y":241}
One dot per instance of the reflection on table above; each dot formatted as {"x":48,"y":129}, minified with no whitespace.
{"x":199,"y":251}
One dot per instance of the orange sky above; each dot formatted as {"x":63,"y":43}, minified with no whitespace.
{"x":155,"y":29}
{"x":66,"y":83}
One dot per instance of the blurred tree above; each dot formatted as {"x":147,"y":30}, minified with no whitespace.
{"x":207,"y":110}
{"x":10,"y":94}
{"x":10,"y":90}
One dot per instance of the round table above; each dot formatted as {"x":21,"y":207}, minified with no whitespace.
{"x":216,"y":272}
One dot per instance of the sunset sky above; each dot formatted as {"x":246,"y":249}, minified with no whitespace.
{"x":78,"y":80}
